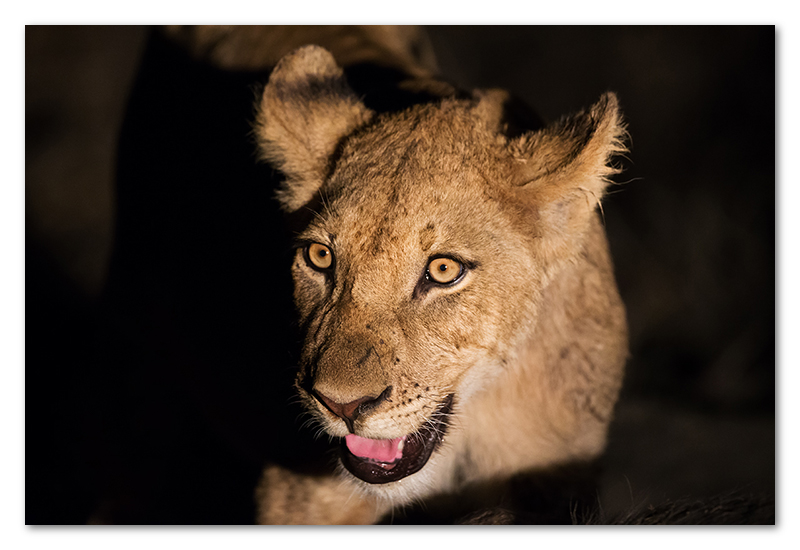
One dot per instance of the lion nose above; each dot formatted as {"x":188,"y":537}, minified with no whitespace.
{"x":349,"y":412}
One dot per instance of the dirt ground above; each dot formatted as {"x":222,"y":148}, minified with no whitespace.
{"x":692,"y":231}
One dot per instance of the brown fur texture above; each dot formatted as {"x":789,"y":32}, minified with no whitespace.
{"x":255,"y":47}
{"x":531,"y":342}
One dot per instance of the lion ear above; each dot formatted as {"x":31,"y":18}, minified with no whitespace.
{"x":562,"y":171}
{"x":305,"y":110}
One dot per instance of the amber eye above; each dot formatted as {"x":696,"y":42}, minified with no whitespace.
{"x":319,"y":256}
{"x":444,"y":270}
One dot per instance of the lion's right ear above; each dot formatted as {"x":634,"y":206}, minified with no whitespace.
{"x":305,"y":110}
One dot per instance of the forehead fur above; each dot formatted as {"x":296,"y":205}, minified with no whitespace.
{"x":429,"y":162}
{"x":429,"y":152}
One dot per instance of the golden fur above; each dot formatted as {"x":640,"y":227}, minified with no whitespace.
{"x":531,"y":342}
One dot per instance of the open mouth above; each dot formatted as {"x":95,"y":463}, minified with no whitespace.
{"x":385,"y":460}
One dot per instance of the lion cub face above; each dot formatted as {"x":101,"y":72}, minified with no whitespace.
{"x":400,"y":282}
{"x":419,"y":273}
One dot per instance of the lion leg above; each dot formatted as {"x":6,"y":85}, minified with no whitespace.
{"x":284,"y":497}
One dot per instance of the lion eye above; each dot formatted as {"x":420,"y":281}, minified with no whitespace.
{"x":319,"y":256}
{"x":444,"y":270}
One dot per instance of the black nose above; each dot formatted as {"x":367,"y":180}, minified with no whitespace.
{"x":349,"y":412}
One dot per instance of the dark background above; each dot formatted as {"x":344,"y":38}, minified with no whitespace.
{"x":127,"y":422}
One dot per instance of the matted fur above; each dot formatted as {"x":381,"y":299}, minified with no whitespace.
{"x":531,"y":341}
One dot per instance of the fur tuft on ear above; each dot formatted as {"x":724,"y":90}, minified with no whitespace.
{"x":305,"y":110}
{"x":562,"y":171}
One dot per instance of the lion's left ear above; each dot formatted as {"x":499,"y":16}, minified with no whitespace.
{"x":561,"y":172}
{"x":305,"y":110}
{"x":576,"y":148}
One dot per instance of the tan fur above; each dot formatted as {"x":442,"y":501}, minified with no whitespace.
{"x":287,"y":498}
{"x":531,"y":342}
{"x":254,"y":47}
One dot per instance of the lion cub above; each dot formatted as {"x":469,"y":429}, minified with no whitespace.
{"x":461,"y":322}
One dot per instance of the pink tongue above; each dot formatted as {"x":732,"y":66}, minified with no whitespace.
{"x":380,"y":450}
